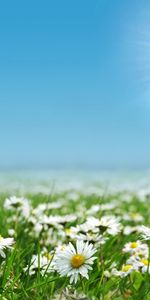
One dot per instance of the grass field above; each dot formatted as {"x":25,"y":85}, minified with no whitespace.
{"x":108,"y":257}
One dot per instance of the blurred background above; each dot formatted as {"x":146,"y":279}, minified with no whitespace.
{"x":74,"y":85}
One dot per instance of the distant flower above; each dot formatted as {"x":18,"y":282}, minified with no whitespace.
{"x":19,"y":204}
{"x":134,"y":217}
{"x":125,"y":271}
{"x":57,"y":220}
{"x":4,"y":244}
{"x":74,"y":261}
{"x":69,"y":293}
{"x":136,"y":248}
{"x":43,"y":262}
{"x":107,"y":224}
{"x":13,"y":202}
{"x":11,"y":232}
{"x":144,"y":264}
{"x":131,"y":229}
{"x":141,"y":263}
{"x":145,"y":232}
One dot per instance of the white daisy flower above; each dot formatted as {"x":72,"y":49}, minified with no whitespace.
{"x":109,"y":224}
{"x":54,"y":205}
{"x":56,"y":221}
{"x":141,"y":263}
{"x":131,"y":229}
{"x":74,"y":261}
{"x":70,"y":293}
{"x":95,"y":238}
{"x":144,"y":264}
{"x":13,"y":202}
{"x":44,"y":262}
{"x":18,"y":203}
{"x":94,"y":209}
{"x":145,"y":232}
{"x":4,"y":244}
{"x":71,"y":232}
{"x":136,"y":247}
{"x":125,"y":271}
{"x":133,"y":217}
{"x":11,"y":232}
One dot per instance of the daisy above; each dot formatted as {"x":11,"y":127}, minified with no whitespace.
{"x":131,"y":229}
{"x":145,"y":232}
{"x":94,"y":209}
{"x":71,"y":232}
{"x":5,"y":243}
{"x":11,"y":232}
{"x":70,"y":293}
{"x":125,"y":271}
{"x":108,"y":206}
{"x":141,"y":263}
{"x":57,"y":221}
{"x":136,"y":248}
{"x":144,"y":264}
{"x":92,"y":237}
{"x":133,"y":217}
{"x":19,"y":204}
{"x":41,"y":208}
{"x":44,"y":262}
{"x":74,"y":261}
{"x":13,"y":202}
{"x":109,"y":224}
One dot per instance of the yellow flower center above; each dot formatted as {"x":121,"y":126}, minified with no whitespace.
{"x":144,"y":261}
{"x":134,"y":215}
{"x":133,"y":245}
{"x":1,"y":238}
{"x":48,"y":256}
{"x":77,"y":260}
{"x":62,"y":247}
{"x":68,"y":231}
{"x":126,"y":268}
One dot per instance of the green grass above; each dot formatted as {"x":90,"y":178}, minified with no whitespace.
{"x":16,"y":282}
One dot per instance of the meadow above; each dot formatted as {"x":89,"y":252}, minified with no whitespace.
{"x":75,"y":241}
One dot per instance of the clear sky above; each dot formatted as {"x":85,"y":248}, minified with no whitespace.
{"x":74,"y":83}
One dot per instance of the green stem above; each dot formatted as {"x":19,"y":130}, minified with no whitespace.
{"x":82,"y":283}
{"x":101,"y":279}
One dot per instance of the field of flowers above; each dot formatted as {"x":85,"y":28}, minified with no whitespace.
{"x":76,"y":242}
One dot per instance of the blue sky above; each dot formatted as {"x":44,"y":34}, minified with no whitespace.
{"x":74,"y":83}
